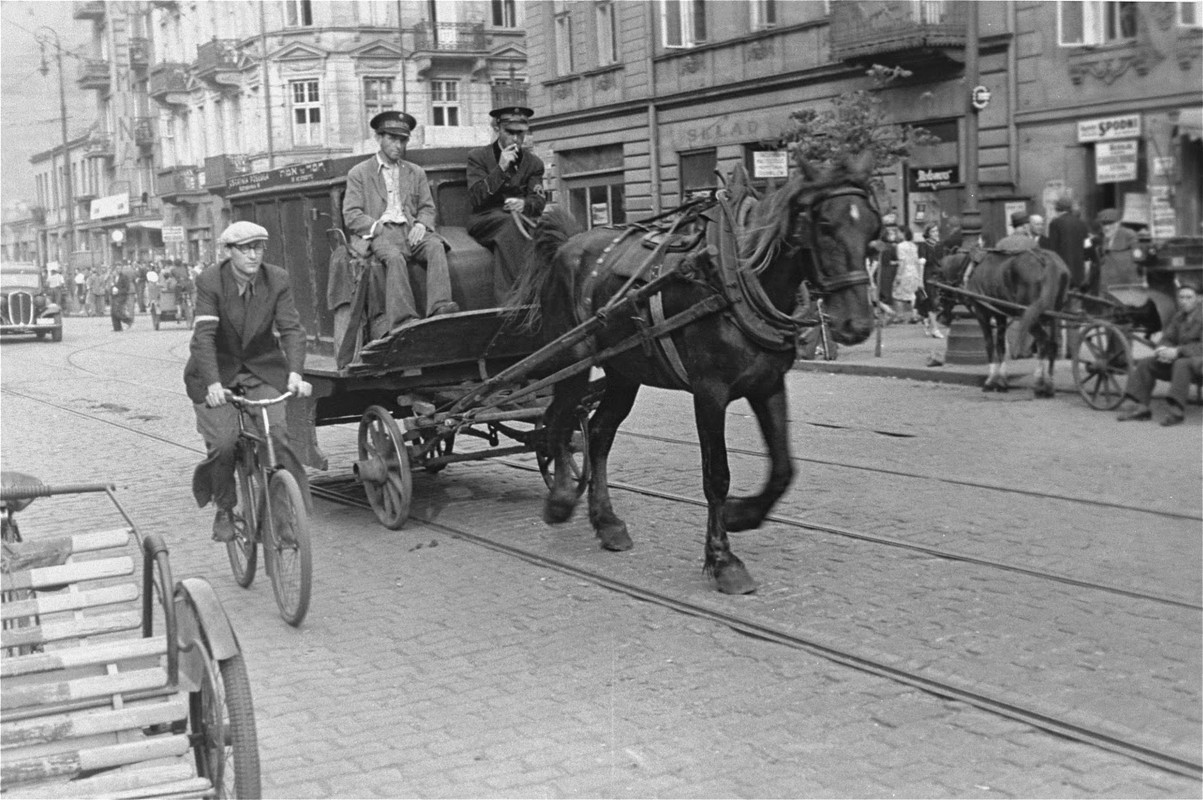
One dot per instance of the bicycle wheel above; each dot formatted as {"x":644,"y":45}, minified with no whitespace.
{"x":223,"y":725}
{"x":243,"y":550}
{"x":286,"y":532}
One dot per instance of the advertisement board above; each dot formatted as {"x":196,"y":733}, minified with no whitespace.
{"x":1097,"y":130}
{"x":1115,"y":162}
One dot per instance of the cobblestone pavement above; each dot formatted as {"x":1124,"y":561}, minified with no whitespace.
{"x":433,"y":667}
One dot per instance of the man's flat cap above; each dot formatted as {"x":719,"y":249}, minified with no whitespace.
{"x":1107,"y":215}
{"x":243,"y":232}
{"x":1019,"y":218}
{"x":398,"y":123}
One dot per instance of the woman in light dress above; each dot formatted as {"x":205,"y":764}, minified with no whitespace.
{"x":909,"y":277}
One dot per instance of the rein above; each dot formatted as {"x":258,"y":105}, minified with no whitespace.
{"x":854,"y":277}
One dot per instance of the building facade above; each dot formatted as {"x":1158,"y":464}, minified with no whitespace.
{"x":191,"y":94}
{"x":639,"y":103}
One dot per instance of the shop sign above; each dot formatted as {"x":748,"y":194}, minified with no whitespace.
{"x":1115,"y":162}
{"x":1163,"y":166}
{"x":1095,"y":130}
{"x":284,"y":176}
{"x":770,"y":164}
{"x":1136,"y":208}
{"x":928,"y":179}
{"x":1164,"y":223}
{"x":600,"y":213}
{"x":173,"y":234}
{"x":115,"y":205}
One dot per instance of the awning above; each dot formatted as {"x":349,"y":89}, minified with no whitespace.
{"x":1190,"y":123}
{"x":149,"y":224}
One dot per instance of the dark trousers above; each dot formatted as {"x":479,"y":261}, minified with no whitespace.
{"x":214,"y":478}
{"x":496,"y":231}
{"x":1181,"y":373}
{"x":392,"y":247}
{"x":118,"y":313}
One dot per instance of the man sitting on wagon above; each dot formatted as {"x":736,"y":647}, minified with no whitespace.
{"x":1178,"y":359}
{"x":505,"y":179}
{"x":390,"y":211}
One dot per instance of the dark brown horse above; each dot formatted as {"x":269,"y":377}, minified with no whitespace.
{"x":816,"y":228}
{"x":1035,"y":281}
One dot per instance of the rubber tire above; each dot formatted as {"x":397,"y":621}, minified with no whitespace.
{"x":288,"y":510}
{"x":379,"y":436}
{"x":237,"y":728}
{"x":243,"y":552}
{"x":1101,"y":362}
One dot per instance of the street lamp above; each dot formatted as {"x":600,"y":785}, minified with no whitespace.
{"x":43,"y":37}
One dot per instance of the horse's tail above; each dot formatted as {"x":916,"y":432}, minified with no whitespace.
{"x":555,"y":227}
{"x":1054,"y":289}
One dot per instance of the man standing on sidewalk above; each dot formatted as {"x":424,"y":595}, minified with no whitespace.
{"x":1067,"y":235}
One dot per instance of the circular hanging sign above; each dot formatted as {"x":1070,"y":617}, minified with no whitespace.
{"x":980,"y":97}
{"x":118,"y":236}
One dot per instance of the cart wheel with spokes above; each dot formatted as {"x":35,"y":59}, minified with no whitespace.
{"x":578,"y":456}
{"x":223,"y":721}
{"x":1101,"y":362}
{"x":384,"y":468}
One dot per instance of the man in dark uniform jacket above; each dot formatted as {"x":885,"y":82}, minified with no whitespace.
{"x":390,"y":211}
{"x":1067,"y":235}
{"x":1177,"y":359}
{"x":242,"y":305}
{"x":504,"y":178}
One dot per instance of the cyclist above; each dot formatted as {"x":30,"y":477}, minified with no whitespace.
{"x":242,"y":305}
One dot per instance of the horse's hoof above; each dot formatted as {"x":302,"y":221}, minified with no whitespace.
{"x":734,"y":578}
{"x":741,"y":515}
{"x":557,"y":510}
{"x":614,"y":537}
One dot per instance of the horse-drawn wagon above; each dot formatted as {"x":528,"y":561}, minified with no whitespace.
{"x":680,"y":301}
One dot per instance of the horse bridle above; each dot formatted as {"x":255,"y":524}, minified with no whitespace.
{"x":853,"y":277}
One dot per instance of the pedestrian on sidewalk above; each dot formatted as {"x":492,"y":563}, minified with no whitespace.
{"x":1177,"y":359}
{"x":119,"y":302}
{"x":909,"y":278}
{"x":931,"y":251}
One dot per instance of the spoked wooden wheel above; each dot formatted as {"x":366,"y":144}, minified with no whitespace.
{"x":1100,"y":366}
{"x":578,"y":456}
{"x":383,"y":467}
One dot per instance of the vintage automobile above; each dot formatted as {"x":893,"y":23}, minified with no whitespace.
{"x":24,"y":305}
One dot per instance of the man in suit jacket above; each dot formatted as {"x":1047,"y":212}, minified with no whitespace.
{"x":390,"y":211}
{"x":1177,"y":359}
{"x":122,"y":286}
{"x":1067,"y":235}
{"x":504,"y":178}
{"x":241,"y":306}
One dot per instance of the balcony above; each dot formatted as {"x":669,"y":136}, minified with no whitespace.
{"x":144,"y":132}
{"x":88,"y":10}
{"x":217,"y":62}
{"x":513,"y":94}
{"x":219,"y":169}
{"x":94,"y":74}
{"x":139,"y":53}
{"x":909,"y":32}
{"x":169,"y":83}
{"x":450,"y":37}
{"x":99,"y":145}
{"x":180,"y":185}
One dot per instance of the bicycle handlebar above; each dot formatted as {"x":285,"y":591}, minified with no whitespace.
{"x":239,"y":400}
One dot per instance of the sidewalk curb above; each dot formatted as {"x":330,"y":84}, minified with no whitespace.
{"x":929,"y":374}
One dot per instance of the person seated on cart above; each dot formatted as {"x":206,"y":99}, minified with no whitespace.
{"x":1021,"y":236}
{"x":241,"y":306}
{"x":505,"y":179}
{"x":1177,"y":359}
{"x":390,"y":211}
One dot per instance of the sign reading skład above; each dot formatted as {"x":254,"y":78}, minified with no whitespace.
{"x":1094,"y":130}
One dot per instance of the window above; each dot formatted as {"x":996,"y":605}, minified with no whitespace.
{"x":375,"y":13}
{"x":444,"y":103}
{"x":1093,"y":22}
{"x":306,"y":113}
{"x":764,"y":14}
{"x":684,"y":22}
{"x":697,"y":173}
{"x":1190,"y":13}
{"x":298,"y":13}
{"x":505,"y":14}
{"x":377,"y":95}
{"x":563,"y":31}
{"x":607,"y":38}
{"x":593,"y":182}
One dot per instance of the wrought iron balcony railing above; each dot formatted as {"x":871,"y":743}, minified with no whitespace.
{"x":92,"y":9}
{"x":177,"y":182}
{"x":99,"y":145}
{"x":216,"y":59}
{"x":94,"y":74}
{"x":450,"y":37}
{"x":139,"y":53}
{"x":168,"y":81}
{"x":144,"y":131}
{"x":883,"y":27}
{"x":509,"y":95}
{"x":218,"y":169}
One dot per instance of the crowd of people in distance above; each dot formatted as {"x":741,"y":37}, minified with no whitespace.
{"x":120,"y":290}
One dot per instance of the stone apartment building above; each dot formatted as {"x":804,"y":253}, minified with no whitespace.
{"x":189,"y":94}
{"x":640,"y":102}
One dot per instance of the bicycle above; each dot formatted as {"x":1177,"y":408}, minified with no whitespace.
{"x":271,"y":511}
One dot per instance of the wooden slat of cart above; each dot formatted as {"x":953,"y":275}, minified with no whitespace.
{"x":79,"y":628}
{"x":46,"y":694}
{"x":56,"y":577}
{"x":71,"y":763}
{"x":45,"y":604}
{"x":77,"y":724}
{"x":106,"y":653}
{"x":170,"y":780}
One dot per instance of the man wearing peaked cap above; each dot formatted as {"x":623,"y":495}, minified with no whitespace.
{"x":241,"y":306}
{"x":505,"y":180}
{"x":1020,"y":237}
{"x":390,"y":211}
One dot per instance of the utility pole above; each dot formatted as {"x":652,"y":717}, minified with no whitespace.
{"x":43,"y":35}
{"x":971,"y":216}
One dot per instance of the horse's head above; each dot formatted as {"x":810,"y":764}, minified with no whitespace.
{"x":827,"y":219}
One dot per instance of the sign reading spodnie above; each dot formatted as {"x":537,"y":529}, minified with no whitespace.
{"x":1095,"y":130}
{"x":928,"y":179}
{"x":297,"y":173}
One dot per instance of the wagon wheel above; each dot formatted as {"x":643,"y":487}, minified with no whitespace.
{"x":578,"y":456}
{"x":383,"y":467}
{"x":1100,"y":364}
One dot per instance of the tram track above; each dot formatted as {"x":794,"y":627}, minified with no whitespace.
{"x":1100,"y":736}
